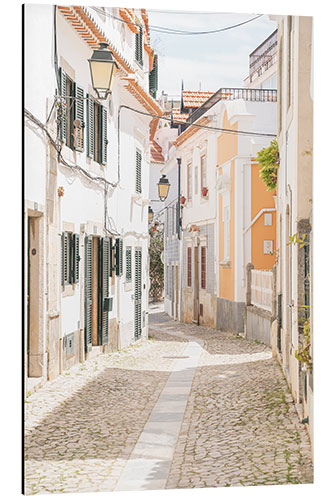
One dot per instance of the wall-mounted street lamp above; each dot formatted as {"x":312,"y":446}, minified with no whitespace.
{"x":102,"y":70}
{"x":163,"y":187}
{"x":150,"y":214}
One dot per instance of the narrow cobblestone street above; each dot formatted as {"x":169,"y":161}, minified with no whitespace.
{"x":191,"y":407}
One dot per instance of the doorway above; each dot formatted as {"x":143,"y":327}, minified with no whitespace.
{"x":96,"y":290}
{"x":34,"y":344}
{"x":196,"y":286}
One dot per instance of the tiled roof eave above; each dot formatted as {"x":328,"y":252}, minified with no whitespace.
{"x":190,"y":131}
{"x":87,"y":29}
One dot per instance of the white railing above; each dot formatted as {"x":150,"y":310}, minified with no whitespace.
{"x":262,"y":289}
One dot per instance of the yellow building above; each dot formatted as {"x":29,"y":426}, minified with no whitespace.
{"x":245,"y":209}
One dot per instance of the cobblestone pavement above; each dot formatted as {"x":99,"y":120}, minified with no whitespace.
{"x":240,"y":425}
{"x":81,"y":427}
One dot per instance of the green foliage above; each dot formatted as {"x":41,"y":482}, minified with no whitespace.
{"x":294,"y":239}
{"x":303,"y":354}
{"x":269,"y":160}
{"x":156,"y":267}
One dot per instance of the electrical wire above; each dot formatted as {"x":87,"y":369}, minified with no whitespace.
{"x":37,"y":122}
{"x":166,"y":30}
{"x":215,"y":129}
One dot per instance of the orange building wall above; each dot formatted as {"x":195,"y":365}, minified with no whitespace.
{"x":227,"y":143}
{"x":226,"y":150}
{"x":261,"y":198}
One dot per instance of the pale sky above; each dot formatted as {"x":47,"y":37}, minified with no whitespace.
{"x":212,"y":60}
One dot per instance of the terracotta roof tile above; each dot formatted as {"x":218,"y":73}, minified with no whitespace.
{"x":195,"y":99}
{"x":178,"y":116}
{"x":156,"y":152}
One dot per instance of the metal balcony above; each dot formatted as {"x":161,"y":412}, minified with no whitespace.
{"x":228,"y":94}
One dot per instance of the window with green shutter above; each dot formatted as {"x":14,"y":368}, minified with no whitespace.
{"x":128,"y":264}
{"x":119,"y":256}
{"x":138,"y":46}
{"x":88,"y":293}
{"x":70,"y":112}
{"x":70,"y":258}
{"x":90,"y":127}
{"x":96,"y":131}
{"x":78,"y":123}
{"x":65,"y":258}
{"x":138,"y":171}
{"x":153,"y":78}
{"x":103,"y":290}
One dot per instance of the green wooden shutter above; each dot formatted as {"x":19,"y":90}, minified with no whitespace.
{"x":103,"y":288}
{"x":90,"y":127}
{"x":104,"y":135}
{"x":65,"y":254}
{"x":88,"y":293}
{"x":128,"y":264}
{"x":138,"y":46}
{"x":62,"y":112}
{"x":153,"y":78}
{"x":138,"y":294}
{"x":119,"y":256}
{"x":79,"y":115}
{"x":138,"y":171}
{"x":111,"y":257}
{"x":76,"y":257}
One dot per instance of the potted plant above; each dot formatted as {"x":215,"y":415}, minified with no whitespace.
{"x":204,"y":191}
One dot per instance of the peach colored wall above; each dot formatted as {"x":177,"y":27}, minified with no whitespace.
{"x":226,"y":143}
{"x":261,"y":198}
{"x":227,"y":149}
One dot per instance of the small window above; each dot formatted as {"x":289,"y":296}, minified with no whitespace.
{"x":138,"y":171}
{"x":138,"y":46}
{"x":189,"y":182}
{"x":203,"y":267}
{"x":203,"y":172}
{"x":189,"y":266}
{"x":128,"y":264}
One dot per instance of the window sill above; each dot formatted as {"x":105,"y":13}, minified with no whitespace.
{"x":68,"y":290}
{"x":128,"y":286}
{"x":226,"y":264}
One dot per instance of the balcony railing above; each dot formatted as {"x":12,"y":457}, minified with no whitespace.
{"x":262,"y":53}
{"x":228,"y":94}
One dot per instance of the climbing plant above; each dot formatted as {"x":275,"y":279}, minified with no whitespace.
{"x":269,"y":160}
{"x":156,"y":267}
{"x":303,"y":354}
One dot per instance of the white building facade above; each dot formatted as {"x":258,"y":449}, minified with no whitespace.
{"x":87,"y":186}
{"x":294,"y":203}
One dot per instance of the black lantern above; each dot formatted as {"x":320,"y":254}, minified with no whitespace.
{"x":163,"y":187}
{"x":102,"y":70}
{"x":150,"y":214}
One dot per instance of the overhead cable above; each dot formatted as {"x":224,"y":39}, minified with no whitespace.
{"x":173,"y":31}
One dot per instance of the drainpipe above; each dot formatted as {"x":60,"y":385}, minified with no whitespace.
{"x":262,"y":211}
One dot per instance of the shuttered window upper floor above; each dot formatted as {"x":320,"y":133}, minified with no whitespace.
{"x":77,"y":120}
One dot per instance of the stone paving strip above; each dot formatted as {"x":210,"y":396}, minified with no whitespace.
{"x":82,"y":427}
{"x":150,"y":461}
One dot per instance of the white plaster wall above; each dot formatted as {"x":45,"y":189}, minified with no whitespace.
{"x":83,"y":201}
{"x":39,"y":81}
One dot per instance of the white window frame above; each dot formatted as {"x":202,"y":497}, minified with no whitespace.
{"x":226,"y":227}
